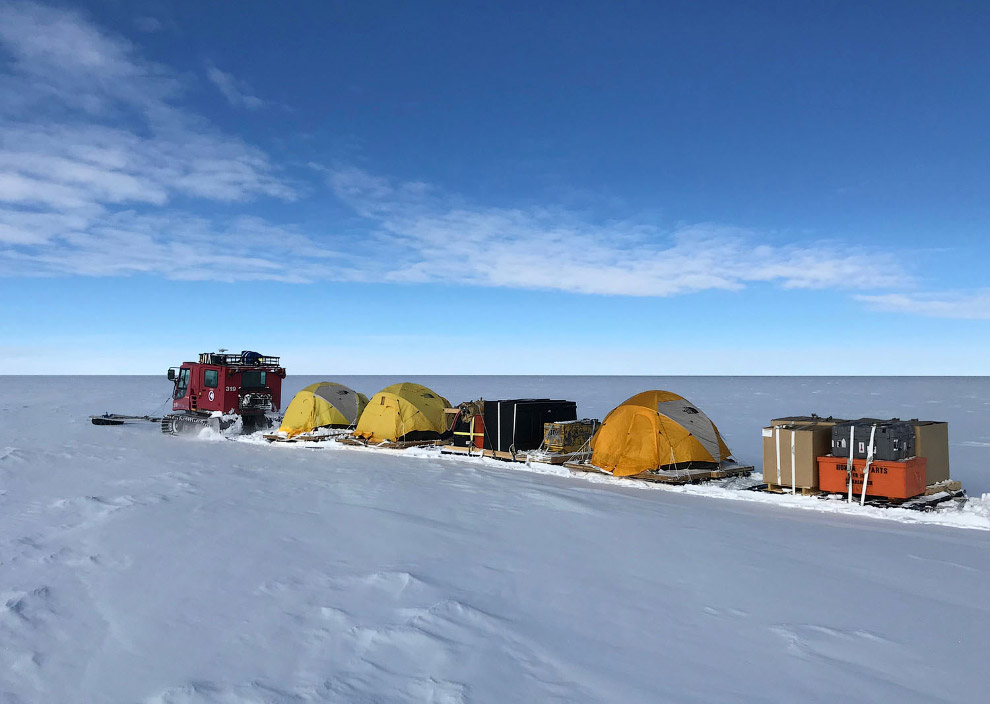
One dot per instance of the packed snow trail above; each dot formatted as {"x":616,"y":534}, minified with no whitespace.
{"x":140,"y":567}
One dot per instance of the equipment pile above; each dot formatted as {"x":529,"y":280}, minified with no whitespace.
{"x":871,"y":461}
{"x":654,"y":436}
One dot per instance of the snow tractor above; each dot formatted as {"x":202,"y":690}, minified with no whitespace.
{"x":222,"y":389}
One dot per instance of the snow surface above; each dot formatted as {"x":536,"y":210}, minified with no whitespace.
{"x":136,"y":567}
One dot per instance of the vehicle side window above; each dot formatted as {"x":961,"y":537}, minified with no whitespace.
{"x":182,"y":383}
{"x":211,"y":378}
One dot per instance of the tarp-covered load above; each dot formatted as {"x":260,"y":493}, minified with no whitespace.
{"x":403,"y":412}
{"x":656,"y":430}
{"x":322,"y":405}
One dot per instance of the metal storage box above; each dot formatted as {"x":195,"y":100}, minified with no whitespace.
{"x":893,"y":440}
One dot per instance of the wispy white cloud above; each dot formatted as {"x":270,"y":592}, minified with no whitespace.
{"x":431,"y":236}
{"x":60,"y":63}
{"x":171,"y":245}
{"x":96,"y":146}
{"x":89,"y":131}
{"x":235,"y":91}
{"x":959,"y":305}
{"x":83,"y":111}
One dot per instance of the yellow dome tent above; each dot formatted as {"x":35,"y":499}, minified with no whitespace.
{"x":404,"y":411}
{"x":322,"y":405}
{"x":656,"y":430}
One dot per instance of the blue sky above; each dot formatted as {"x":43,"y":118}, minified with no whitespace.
{"x":498,"y":187}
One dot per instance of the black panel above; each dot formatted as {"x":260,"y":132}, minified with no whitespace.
{"x":517,"y":424}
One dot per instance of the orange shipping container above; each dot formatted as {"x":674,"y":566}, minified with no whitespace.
{"x":894,"y":480}
{"x":478,"y":431}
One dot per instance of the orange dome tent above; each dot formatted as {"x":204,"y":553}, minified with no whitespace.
{"x":656,"y":430}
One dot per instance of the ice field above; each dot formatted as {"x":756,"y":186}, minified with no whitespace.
{"x":136,"y":567}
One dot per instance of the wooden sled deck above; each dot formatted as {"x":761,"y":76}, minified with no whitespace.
{"x":386,"y":445}
{"x":783,"y":489}
{"x":275,"y":437}
{"x":672,"y":476}
{"x":934,"y":495}
{"x":345,"y":437}
{"x":524,"y":456}
{"x":948,"y":486}
{"x":556,"y":458}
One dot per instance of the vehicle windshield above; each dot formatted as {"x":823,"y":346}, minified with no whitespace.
{"x":182,"y":383}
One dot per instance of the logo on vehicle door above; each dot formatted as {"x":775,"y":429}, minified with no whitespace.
{"x":211,"y":395}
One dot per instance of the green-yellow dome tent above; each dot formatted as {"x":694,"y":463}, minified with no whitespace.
{"x":403,"y":412}
{"x":656,"y":430}
{"x":325,"y":404}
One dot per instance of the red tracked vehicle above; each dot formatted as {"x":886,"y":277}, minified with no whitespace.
{"x":221,"y":388}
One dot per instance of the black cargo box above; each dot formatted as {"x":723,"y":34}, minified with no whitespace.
{"x":459,"y":433}
{"x":514,"y":425}
{"x":894,"y":439}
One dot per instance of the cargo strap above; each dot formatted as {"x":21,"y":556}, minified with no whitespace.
{"x":776,"y":432}
{"x":869,"y":461}
{"x":793,"y":463}
{"x":849,"y":463}
{"x":472,"y":434}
